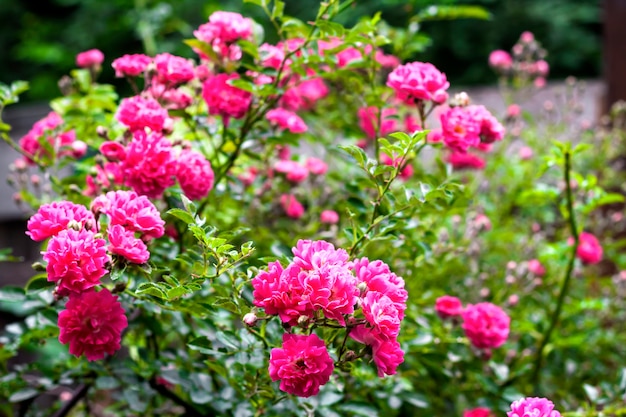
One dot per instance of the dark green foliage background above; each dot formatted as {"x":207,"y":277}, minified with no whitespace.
{"x":40,"y":38}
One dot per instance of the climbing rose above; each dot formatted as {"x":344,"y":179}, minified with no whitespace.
{"x":54,"y":217}
{"x":460,"y":128}
{"x":533,"y":407}
{"x":478,"y":412}
{"x":92,"y":324}
{"x":419,"y":81}
{"x":535,"y":267}
{"x":90,"y":58}
{"x":194,"y":174}
{"x":133,"y":212}
{"x":173,"y":70}
{"x":329,"y":217}
{"x":149,"y":167}
{"x":368,"y":121}
{"x":60,"y":141}
{"x":125,"y":244}
{"x":500,"y":60}
{"x":304,"y":94}
{"x":293,"y":208}
{"x":589,"y":250}
{"x":460,"y":160}
{"x":286,"y":120}
{"x":294,"y":171}
{"x":316,"y":166}
{"x":302,"y":365}
{"x":131,"y":65}
{"x":448,"y":306}
{"x":377,"y":277}
{"x":486,"y":325}
{"x":407,"y":171}
{"x":226,"y":27}
{"x":382,"y":314}
{"x":113,"y":151}
{"x":76,"y":260}
{"x":490,"y":128}
{"x":138,"y":113}
{"x":387,"y":355}
{"x":223,"y":99}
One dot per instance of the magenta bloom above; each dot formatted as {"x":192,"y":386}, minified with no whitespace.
{"x":315,"y":254}
{"x":278,"y":291}
{"x":173,"y":70}
{"x":486,"y":325}
{"x":378,"y":278}
{"x":490,"y":128}
{"x":272,"y":56}
{"x":316,"y":166}
{"x":478,"y":412}
{"x":589,"y":250}
{"x":133,"y":212}
{"x":54,"y":217}
{"x":500,"y":60}
{"x":302,"y":365}
{"x":76,"y":260}
{"x":138,"y":113}
{"x":286,"y":120}
{"x":387,"y":354}
{"x":406,"y":173}
{"x":329,"y":217}
{"x":125,"y":244}
{"x":149,"y":167}
{"x":48,"y":127}
{"x":419,"y":81}
{"x":90,"y":58}
{"x":448,"y":306}
{"x":92,"y":324}
{"x":294,"y":171}
{"x":223,"y":99}
{"x":225,"y":27}
{"x":194,"y":174}
{"x":535,"y":267}
{"x":113,"y":151}
{"x":382,"y":314}
{"x":131,"y":65}
{"x":533,"y":407}
{"x":304,"y":94}
{"x":465,"y":161}
{"x":461,"y":129}
{"x":368,"y":121}
{"x":293,"y":208}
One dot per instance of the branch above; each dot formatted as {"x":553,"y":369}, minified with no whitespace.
{"x":80,"y":392}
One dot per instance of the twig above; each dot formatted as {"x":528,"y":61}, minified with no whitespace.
{"x":80,"y":392}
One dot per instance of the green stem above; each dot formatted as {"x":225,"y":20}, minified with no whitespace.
{"x":536,"y":375}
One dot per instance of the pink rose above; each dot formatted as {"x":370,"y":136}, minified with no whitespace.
{"x":419,"y":81}
{"x":447,"y":306}
{"x":533,"y":407}
{"x":173,"y":70}
{"x":286,"y":120}
{"x":589,"y":250}
{"x":139,"y":113}
{"x":131,"y":65}
{"x":293,"y":208}
{"x":500,"y":60}
{"x":316,"y":166}
{"x":461,"y":161}
{"x":194,"y":174}
{"x":478,"y":412}
{"x":535,"y":267}
{"x":113,"y":151}
{"x":54,"y":217}
{"x":89,"y":59}
{"x":76,"y":260}
{"x":461,"y":129}
{"x":125,"y":244}
{"x":294,"y":171}
{"x":223,"y":99}
{"x":486,"y":325}
{"x":302,"y":364}
{"x":329,"y":217}
{"x":92,"y":324}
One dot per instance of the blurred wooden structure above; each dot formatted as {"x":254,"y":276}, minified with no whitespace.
{"x":614,"y":51}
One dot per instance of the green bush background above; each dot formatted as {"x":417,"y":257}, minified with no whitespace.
{"x":41,"y":38}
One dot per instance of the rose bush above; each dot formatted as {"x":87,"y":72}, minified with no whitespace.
{"x":305,"y":227}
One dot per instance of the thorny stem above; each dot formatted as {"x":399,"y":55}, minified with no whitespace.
{"x":77,"y":395}
{"x":536,"y":376}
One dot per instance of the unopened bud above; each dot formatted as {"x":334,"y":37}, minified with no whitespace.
{"x":35,"y":179}
{"x":350,"y":356}
{"x":362,"y":287}
{"x":103,"y":132}
{"x":461,"y":99}
{"x":303,"y":321}
{"x":250,"y":319}
{"x":39,"y":267}
{"x":73,"y":224}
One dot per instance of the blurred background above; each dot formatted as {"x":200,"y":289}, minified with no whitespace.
{"x":41,"y":38}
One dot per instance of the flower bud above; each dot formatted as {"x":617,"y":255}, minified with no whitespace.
{"x":39,"y":267}
{"x":362,"y":287}
{"x":303,"y":321}
{"x":103,"y":132}
{"x":250,"y":319}
{"x":73,"y":224}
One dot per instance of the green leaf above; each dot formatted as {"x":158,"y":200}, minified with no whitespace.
{"x":23,"y":394}
{"x":11,"y":293}
{"x":279,"y":9}
{"x":38,"y":282}
{"x":176,"y":292}
{"x":181,"y":215}
{"x":153,"y":289}
{"x":453,"y":13}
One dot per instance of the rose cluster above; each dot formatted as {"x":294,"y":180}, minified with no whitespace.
{"x":526,"y":63}
{"x":485,"y":324}
{"x":322,"y":286}
{"x":77,"y":257}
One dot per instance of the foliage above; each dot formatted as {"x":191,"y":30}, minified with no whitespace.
{"x":199,"y":339}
